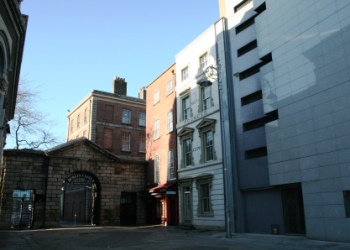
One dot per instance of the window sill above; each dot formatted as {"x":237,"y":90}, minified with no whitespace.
{"x":206,"y":215}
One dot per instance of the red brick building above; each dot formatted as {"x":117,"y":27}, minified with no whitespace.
{"x":114,"y":121}
{"x":161,"y":149}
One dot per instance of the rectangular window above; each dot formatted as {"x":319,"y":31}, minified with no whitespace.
{"x":156,"y":130}
{"x":245,"y":24}
{"x":184,"y":74}
{"x":187,"y":152}
{"x":156,"y":169}
{"x":126,"y":141}
{"x":71,"y":125}
{"x":142,"y":143}
{"x":253,"y":97}
{"x":203,"y":184}
{"x":206,"y":98}
{"x":169,"y":87}
{"x":186,"y":108}
{"x":109,"y":112}
{"x":260,"y":122}
{"x":169,"y":121}
{"x":156,"y":97}
{"x":208,"y":144}
{"x":78,"y":121}
{"x":241,"y":5}
{"x":171,"y":168}
{"x":203,"y":61}
{"x":85,"y":116}
{"x":256,"y":68}
{"x":142,"y":119}
{"x":204,"y":197}
{"x":255,"y":153}
{"x":246,"y":48}
{"x":346,"y":196}
{"x":126,"y":116}
{"x":107,"y":138}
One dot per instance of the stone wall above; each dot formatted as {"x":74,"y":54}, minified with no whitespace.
{"x":47,"y":172}
{"x":23,"y":169}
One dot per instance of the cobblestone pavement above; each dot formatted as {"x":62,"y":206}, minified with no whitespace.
{"x":153,"y":238}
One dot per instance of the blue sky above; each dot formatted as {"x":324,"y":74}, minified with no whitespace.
{"x":73,"y":46}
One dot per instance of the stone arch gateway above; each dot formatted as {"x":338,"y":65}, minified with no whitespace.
{"x":80,"y":198}
{"x":79,"y":167}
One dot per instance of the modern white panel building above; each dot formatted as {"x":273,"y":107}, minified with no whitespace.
{"x":289,"y":101}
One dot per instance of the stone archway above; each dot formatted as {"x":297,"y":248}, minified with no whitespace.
{"x":80,"y":199}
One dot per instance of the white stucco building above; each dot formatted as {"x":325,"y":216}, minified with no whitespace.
{"x":200,"y":160}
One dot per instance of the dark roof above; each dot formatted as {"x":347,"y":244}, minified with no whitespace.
{"x":23,"y":151}
{"x":80,"y":140}
{"x":119,"y":96}
{"x":83,"y":140}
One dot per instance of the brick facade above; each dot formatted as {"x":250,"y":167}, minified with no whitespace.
{"x":114,"y":122}
{"x":159,"y":103}
{"x":99,"y":118}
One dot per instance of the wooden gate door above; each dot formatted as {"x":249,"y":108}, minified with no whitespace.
{"x":128,"y":208}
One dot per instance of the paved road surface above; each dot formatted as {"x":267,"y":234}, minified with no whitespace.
{"x":153,"y":238}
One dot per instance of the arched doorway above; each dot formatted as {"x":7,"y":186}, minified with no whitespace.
{"x":79,"y":199}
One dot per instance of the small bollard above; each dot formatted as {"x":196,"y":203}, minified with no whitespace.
{"x":75,"y":219}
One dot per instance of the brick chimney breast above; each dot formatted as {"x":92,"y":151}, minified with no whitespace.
{"x":119,"y":86}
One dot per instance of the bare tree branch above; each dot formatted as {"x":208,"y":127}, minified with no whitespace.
{"x":31,"y":126}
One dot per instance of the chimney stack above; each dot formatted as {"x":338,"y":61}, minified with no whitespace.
{"x":119,"y":86}
{"x":142,"y":93}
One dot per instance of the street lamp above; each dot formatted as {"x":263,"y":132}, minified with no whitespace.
{"x":213,"y":73}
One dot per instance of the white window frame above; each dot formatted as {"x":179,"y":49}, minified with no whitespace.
{"x":156,"y":168}
{"x":185,"y":107}
{"x":156,"y":128}
{"x":142,"y":143}
{"x":126,"y":141}
{"x":142,"y":119}
{"x":187,"y":152}
{"x":156,"y":97}
{"x":186,"y":136}
{"x":203,"y":61}
{"x":78,"y":121}
{"x":126,"y":116}
{"x":169,"y":87}
{"x":184,"y":74}
{"x":208,"y":148}
{"x":169,"y":121}
{"x":204,"y":208}
{"x":171,"y":165}
{"x":85,"y":115}
{"x":204,"y":127}
{"x":72,"y":125}
{"x":205,"y":98}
